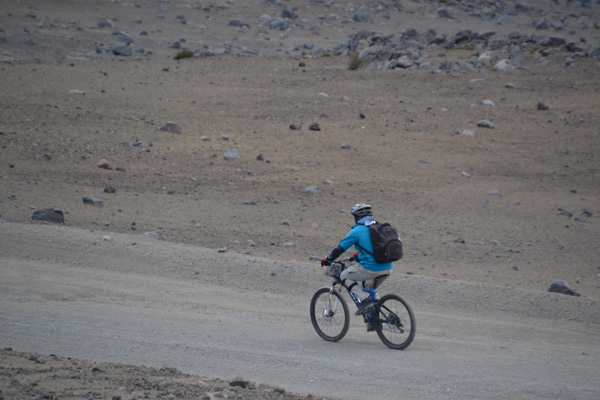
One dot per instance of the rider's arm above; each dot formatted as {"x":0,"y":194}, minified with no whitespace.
{"x":335,"y":253}
{"x":344,"y":245}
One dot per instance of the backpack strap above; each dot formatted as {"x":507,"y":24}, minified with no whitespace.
{"x":363,"y":249}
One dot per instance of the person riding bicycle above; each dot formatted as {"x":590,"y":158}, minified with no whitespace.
{"x":367,"y":271}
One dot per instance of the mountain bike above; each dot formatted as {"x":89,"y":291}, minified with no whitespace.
{"x":391,"y":316}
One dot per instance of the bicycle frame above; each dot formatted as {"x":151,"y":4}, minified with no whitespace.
{"x":372,"y":292}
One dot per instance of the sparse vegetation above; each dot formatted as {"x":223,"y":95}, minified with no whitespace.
{"x":355,"y":62}
{"x":184,"y":54}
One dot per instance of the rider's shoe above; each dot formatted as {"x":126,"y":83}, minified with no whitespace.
{"x":365,"y":306}
{"x":370,"y":327}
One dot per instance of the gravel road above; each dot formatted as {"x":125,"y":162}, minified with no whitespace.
{"x":135,"y":300}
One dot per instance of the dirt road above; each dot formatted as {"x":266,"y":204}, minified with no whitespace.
{"x":134,"y":300}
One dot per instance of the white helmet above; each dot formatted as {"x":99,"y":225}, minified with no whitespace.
{"x":361,"y":210}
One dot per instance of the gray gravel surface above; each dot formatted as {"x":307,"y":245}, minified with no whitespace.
{"x":130,"y":299}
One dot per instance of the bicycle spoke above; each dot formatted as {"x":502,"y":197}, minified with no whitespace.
{"x":329,"y":314}
{"x":395,"y":322}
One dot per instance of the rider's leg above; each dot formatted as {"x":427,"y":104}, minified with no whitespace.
{"x":381,"y":276}
{"x":357,"y":274}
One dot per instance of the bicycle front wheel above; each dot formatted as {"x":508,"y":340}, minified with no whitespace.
{"x":329,"y":314}
{"x":394,"y":322}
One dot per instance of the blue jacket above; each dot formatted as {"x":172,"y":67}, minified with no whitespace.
{"x":360,"y":234}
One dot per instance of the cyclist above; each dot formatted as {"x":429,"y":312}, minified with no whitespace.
{"x":367,"y":271}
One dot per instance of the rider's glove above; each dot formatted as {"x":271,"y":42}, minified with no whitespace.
{"x":325,"y":262}
{"x":353,"y":257}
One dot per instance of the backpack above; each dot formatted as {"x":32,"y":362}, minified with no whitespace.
{"x":387,"y":246}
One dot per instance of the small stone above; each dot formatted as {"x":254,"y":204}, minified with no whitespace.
{"x":122,"y":50}
{"x":314,"y":127}
{"x":232,"y":155}
{"x":295,"y":127}
{"x":311,"y":189}
{"x":494,"y":193}
{"x":50,"y":215}
{"x":171,"y":127}
{"x":443,"y":13}
{"x":346,"y":145}
{"x":542,"y":107}
{"x":240,"y":382}
{"x":562,"y":211}
{"x":466,"y":132}
{"x":485,"y":124}
{"x":286,"y":222}
{"x":560,"y":286}
{"x":94,"y":201}
{"x":466,"y":175}
{"x":103,"y":164}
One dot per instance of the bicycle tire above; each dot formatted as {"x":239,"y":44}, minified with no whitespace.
{"x":395,"y":322}
{"x":330,"y":322}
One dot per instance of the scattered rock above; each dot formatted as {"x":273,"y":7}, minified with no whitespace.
{"x":49,"y":215}
{"x":94,"y":201}
{"x":295,"y":127}
{"x":311,"y":189}
{"x":122,"y":50}
{"x":232,"y":155}
{"x":362,"y":15}
{"x":153,"y":235}
{"x":485,"y":124}
{"x":542,"y":107}
{"x":171,"y":127}
{"x":562,"y":211}
{"x":103,"y":164}
{"x":444,"y":13}
{"x":466,"y":132}
{"x":240,"y":382}
{"x":560,"y":286}
{"x":314,"y":127}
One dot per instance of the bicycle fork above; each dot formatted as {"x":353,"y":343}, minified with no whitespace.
{"x":332,"y":304}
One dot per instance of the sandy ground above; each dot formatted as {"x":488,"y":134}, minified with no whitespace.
{"x":515,"y":206}
{"x":134,"y":301}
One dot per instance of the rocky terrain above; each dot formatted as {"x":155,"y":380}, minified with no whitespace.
{"x":472,"y":126}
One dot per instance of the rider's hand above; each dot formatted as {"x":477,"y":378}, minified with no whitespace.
{"x":325,"y":262}
{"x":353,"y":257}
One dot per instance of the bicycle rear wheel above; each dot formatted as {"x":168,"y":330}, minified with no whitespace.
{"x":394,"y":322}
{"x":329,"y":314}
